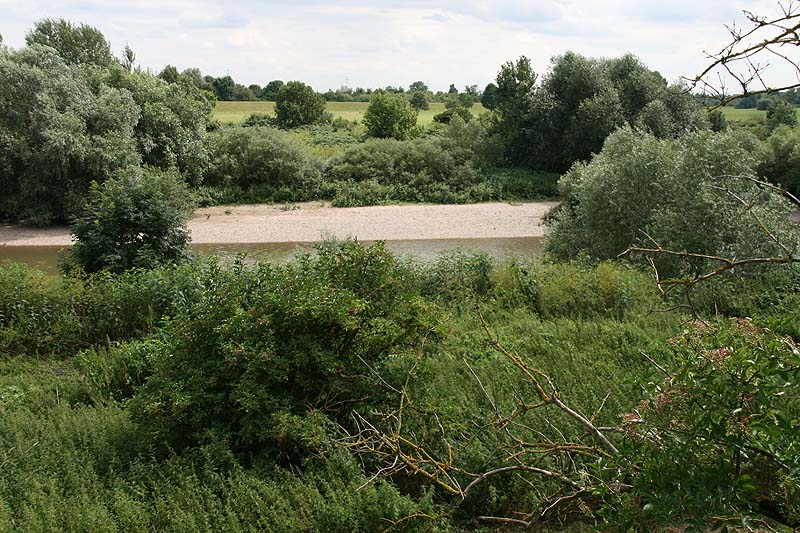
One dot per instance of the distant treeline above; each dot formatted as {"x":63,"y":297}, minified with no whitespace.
{"x":226,"y":89}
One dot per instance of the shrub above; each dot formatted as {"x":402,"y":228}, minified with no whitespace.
{"x":259,"y":119}
{"x":390,"y":116}
{"x":265,"y":359}
{"x":298,"y":105}
{"x":779,"y":158}
{"x":420,"y":165}
{"x":670,"y":190}
{"x":717,"y":437}
{"x":781,"y":113}
{"x":262,"y":158}
{"x":133,"y":220}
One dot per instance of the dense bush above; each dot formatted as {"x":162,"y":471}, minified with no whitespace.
{"x":390,"y":116}
{"x":718,"y":435}
{"x":134,"y":220}
{"x":264,"y":360}
{"x":263,"y":160}
{"x":296,"y":104}
{"x":422,"y":168}
{"x":674,"y":192}
{"x":779,"y":158}
{"x":57,"y":135}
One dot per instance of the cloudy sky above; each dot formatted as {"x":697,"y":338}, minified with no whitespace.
{"x":393,"y":42}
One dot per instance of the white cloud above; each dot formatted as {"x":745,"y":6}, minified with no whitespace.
{"x":393,"y":42}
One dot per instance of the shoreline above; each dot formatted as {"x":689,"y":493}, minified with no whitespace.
{"x":312,"y":221}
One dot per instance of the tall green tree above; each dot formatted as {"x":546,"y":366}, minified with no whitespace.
{"x":58,"y":133}
{"x":76,"y":44}
{"x":781,"y":113}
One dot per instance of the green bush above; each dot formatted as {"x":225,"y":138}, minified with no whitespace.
{"x":264,"y":161}
{"x":133,"y":220}
{"x":298,"y":105}
{"x":390,"y":116}
{"x":779,"y":158}
{"x":421,"y":167}
{"x":717,"y":437}
{"x":672,"y":191}
{"x":265,"y":359}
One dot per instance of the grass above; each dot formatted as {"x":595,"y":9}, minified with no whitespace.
{"x":235,"y":112}
{"x":747,"y":115}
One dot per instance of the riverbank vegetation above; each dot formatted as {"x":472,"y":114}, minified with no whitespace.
{"x":641,"y":375}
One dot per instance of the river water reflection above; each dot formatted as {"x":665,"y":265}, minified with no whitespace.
{"x":46,"y":257}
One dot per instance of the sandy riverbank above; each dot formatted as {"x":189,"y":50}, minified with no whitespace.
{"x":308,"y":222}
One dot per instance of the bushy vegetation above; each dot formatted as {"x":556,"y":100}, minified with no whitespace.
{"x":648,"y":191}
{"x":133,"y":220}
{"x":171,"y":397}
{"x":389,"y":116}
{"x":261,"y":163}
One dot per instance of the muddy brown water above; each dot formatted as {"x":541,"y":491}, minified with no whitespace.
{"x":46,"y":257}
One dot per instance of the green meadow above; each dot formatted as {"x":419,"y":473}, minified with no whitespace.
{"x":236,"y":112}
{"x":746,"y":115}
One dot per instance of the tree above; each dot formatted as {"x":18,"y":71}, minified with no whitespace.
{"x":452,"y":89}
{"x":225,"y":88}
{"x":717,"y":120}
{"x":128,"y":58}
{"x":59,"y":133}
{"x":419,"y":100}
{"x":169,"y":74}
{"x":680,"y":193}
{"x":418,"y":86}
{"x":77,"y":45}
{"x":298,"y":105}
{"x":489,"y":96}
{"x":781,"y":113}
{"x":389,"y":116}
{"x":271,"y":90}
{"x":134,"y":220}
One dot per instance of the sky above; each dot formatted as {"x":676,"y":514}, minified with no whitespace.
{"x":393,"y":42}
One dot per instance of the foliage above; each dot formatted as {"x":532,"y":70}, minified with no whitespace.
{"x":489,"y":96}
{"x":779,"y":158}
{"x":58,"y":133}
{"x":170,"y":131}
{"x":265,"y":161}
{"x":419,"y":101}
{"x":717,"y":435}
{"x":674,"y":192}
{"x":390,"y":116}
{"x":578,"y":103}
{"x":420,"y":169}
{"x":271,"y":357}
{"x":297,"y":104}
{"x":134,"y":220}
{"x":717,"y":120}
{"x":781,"y":113}
{"x":76,"y":45}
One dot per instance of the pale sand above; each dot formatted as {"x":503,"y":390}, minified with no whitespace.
{"x":311,"y":221}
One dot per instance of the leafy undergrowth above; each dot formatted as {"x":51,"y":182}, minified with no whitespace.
{"x":203,"y":398}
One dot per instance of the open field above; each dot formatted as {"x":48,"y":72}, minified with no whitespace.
{"x":234,"y":112}
{"x":747,"y":115}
